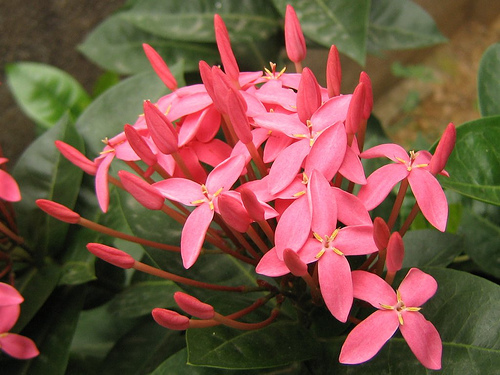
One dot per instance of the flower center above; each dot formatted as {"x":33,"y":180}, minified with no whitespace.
{"x":327,"y":242}
{"x":399,"y":307}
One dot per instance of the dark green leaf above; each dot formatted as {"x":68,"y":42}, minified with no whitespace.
{"x":400,"y":24}
{"x":116,"y":45}
{"x":489,"y":81}
{"x":139,"y":299}
{"x":428,"y":247}
{"x":193,"y":21}
{"x":42,"y":172}
{"x":481,"y":241}
{"x":278,"y":344}
{"x":474,"y":165}
{"x":336,"y":22}
{"x":104,"y":82}
{"x":45,"y":93}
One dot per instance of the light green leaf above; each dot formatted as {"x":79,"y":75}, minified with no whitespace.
{"x":336,"y":22}
{"x":45,"y":93}
{"x":400,"y":24}
{"x":474,"y":165}
{"x":488,"y":80}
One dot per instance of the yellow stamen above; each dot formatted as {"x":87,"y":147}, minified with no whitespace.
{"x":299,"y":194}
{"x":199,"y":201}
{"x":337,"y":251}
{"x":320,"y":254}
{"x":400,"y":318}
{"x":318,"y":237}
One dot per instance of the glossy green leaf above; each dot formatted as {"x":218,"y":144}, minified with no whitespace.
{"x":139,"y":299}
{"x":193,"y":21}
{"x":400,"y":24}
{"x":42,"y":172}
{"x":116,"y":45}
{"x":465,"y":311}
{"x":336,"y":22}
{"x":481,"y":241}
{"x":429,"y":247}
{"x":489,"y":81}
{"x":474,"y":165}
{"x":119,"y":105}
{"x":45,"y":93}
{"x":278,"y":344}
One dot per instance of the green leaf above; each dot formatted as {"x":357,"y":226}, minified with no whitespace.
{"x":428,"y":247}
{"x":489,"y":81}
{"x":336,"y":22}
{"x":400,"y":24}
{"x":45,"y":93}
{"x":140,"y":298}
{"x":474,"y":165}
{"x":281,"y":343}
{"x":116,"y":45}
{"x":122,"y":103}
{"x":245,"y":20}
{"x":42,"y":172}
{"x":481,"y":241}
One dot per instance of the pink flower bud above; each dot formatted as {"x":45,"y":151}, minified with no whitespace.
{"x":111,"y":255}
{"x":365,"y":78}
{"x":143,"y":192}
{"x":139,"y":145}
{"x":443,"y":149}
{"x":294,"y":38}
{"x":161,"y":129}
{"x":292,"y":260}
{"x":236,"y":109}
{"x":225,"y":50}
{"x":207,"y":77}
{"x":395,"y":253}
{"x":160,"y":67}
{"x":356,"y":109}
{"x":58,"y":211}
{"x":381,"y":233}
{"x":308,"y":95}
{"x":76,"y":157}
{"x":221,"y":86}
{"x":170,"y":319}
{"x":252,"y":205}
{"x":233,"y":213}
{"x":194,"y":306}
{"x":333,"y":72}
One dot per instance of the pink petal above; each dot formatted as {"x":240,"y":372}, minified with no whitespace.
{"x":180,"y":190}
{"x":237,"y":111}
{"x":9,"y":295}
{"x":18,"y":346}
{"x":323,"y":204}
{"x":389,"y":150}
{"x":143,"y":192}
{"x":101,"y":181}
{"x":161,"y":129}
{"x":233,"y":212}
{"x":139,"y":145}
{"x":351,"y":167}
{"x":350,"y":209}
{"x":225,"y":50}
{"x":287,"y":165}
{"x":355,"y":240}
{"x":289,"y":125}
{"x":8,"y":317}
{"x":312,"y":247}
{"x":373,"y":289}
{"x":9,"y":190}
{"x":380,"y":183}
{"x":417,"y":287}
{"x":193,"y":234}
{"x":209,"y":124}
{"x":225,"y":174}
{"x":430,"y":197}
{"x":213,"y":152}
{"x":190,"y":158}
{"x":368,"y":337}
{"x":188,"y":104}
{"x":270,"y":265}
{"x":335,"y":282}
{"x":422,"y":338}
{"x":331,"y":112}
{"x":274,"y":145}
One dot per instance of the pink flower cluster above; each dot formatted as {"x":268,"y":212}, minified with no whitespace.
{"x":276,"y":191}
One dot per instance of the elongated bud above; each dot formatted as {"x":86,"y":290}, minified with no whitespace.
{"x":292,"y":260}
{"x":139,"y":145}
{"x":143,"y":192}
{"x":111,"y":255}
{"x":294,"y":38}
{"x":367,"y":82}
{"x":356,"y":109}
{"x":333,"y":72}
{"x":221,"y":86}
{"x":252,"y":205}
{"x":233,"y":213}
{"x":76,"y":157}
{"x":161,"y":129}
{"x":225,"y":50}
{"x":443,"y":149}
{"x":308,"y":95}
{"x":207,"y":78}
{"x":395,"y":253}
{"x":194,"y":306}
{"x":237,"y":111}
{"x":170,"y":319}
{"x":160,"y":67}
{"x":58,"y":211}
{"x":381,"y":233}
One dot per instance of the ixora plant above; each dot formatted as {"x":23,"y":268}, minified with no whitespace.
{"x":258,"y":221}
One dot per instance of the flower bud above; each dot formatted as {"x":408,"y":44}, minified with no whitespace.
{"x":237,"y":110}
{"x":161,"y":129}
{"x":252,"y":205}
{"x":292,"y":260}
{"x":234,"y":213}
{"x":308,"y":95}
{"x":58,"y":211}
{"x":226,"y":53}
{"x":356,"y":109}
{"x":365,"y":78}
{"x":170,"y":319}
{"x":395,"y":253}
{"x":194,"y":306}
{"x":76,"y":157}
{"x":160,"y":67}
{"x":294,"y":38}
{"x":333,"y":72}
{"x":443,"y":149}
{"x":143,"y":192}
{"x":381,"y":233}
{"x":111,"y":255}
{"x":139,"y":145}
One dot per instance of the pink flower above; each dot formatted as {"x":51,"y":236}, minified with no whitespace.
{"x":398,"y":309}
{"x":15,"y":345}
{"x":9,"y":191}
